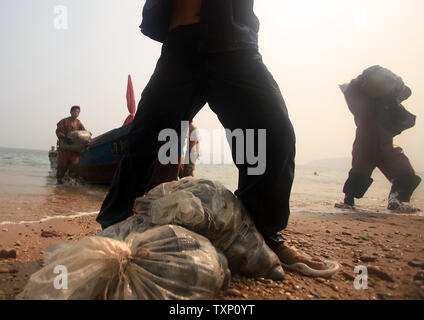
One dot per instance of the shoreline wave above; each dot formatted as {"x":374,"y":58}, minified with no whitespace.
{"x":78,"y":215}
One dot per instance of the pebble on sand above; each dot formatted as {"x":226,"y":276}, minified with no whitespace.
{"x":374,"y":270}
{"x":9,"y":254}
{"x":367,"y":258}
{"x":49,"y":234}
{"x":419,"y":275}
{"x":416,"y":263}
{"x":233,"y":292}
{"x":347,"y":275}
{"x":384,"y":295}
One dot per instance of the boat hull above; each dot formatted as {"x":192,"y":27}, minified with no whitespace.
{"x":98,"y":173}
{"x":98,"y":163}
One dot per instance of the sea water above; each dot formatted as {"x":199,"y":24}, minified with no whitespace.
{"x":28,"y":190}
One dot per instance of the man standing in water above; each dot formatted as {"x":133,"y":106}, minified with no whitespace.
{"x":67,"y":160}
{"x":210,"y":55}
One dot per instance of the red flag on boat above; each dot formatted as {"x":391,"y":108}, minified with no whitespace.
{"x":130,"y":101}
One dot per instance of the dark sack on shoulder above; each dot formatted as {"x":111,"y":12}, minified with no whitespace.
{"x":396,"y":119}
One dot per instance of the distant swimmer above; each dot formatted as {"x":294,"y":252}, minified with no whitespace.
{"x":68,"y":160}
{"x":375,"y":99}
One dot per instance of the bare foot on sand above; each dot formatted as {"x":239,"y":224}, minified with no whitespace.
{"x":294,"y":260}
{"x":290,"y":256}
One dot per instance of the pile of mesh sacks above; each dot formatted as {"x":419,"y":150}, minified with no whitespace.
{"x":184,"y":241}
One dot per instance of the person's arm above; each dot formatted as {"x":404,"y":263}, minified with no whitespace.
{"x":61,"y":132}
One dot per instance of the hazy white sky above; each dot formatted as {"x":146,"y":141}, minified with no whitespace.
{"x":309,"y":46}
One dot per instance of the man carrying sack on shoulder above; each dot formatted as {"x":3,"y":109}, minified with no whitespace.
{"x":375,"y":99}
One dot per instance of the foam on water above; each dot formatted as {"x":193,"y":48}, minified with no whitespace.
{"x":78,"y":215}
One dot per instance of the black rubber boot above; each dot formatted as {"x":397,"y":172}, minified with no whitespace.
{"x":73,"y":171}
{"x":60,"y":174}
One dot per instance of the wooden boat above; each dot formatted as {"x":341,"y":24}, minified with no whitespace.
{"x":98,"y":162}
{"x":100,"y":158}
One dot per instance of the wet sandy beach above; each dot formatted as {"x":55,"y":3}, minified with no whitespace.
{"x":50,"y":201}
{"x":36,"y":213}
{"x":390,"y":246}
